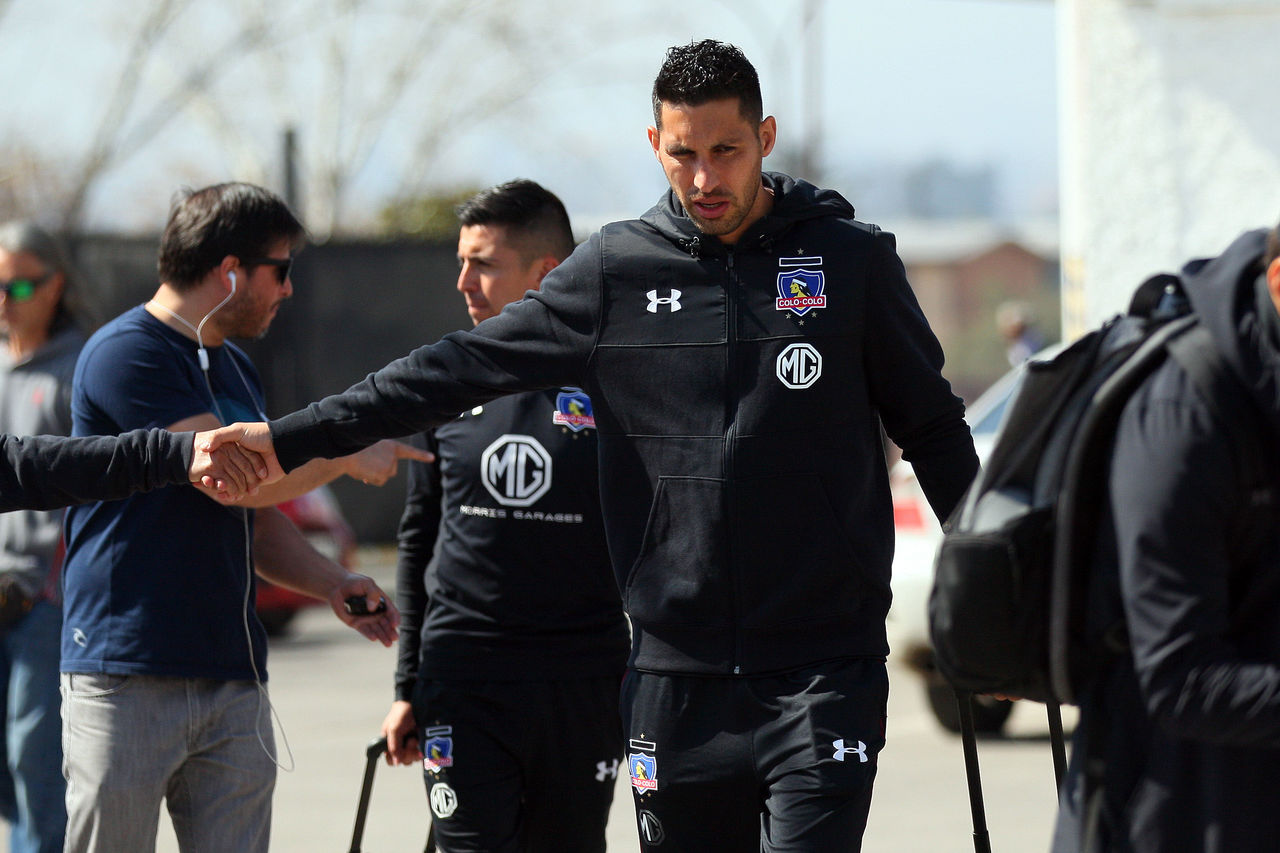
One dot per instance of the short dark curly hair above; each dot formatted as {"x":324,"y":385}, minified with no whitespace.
{"x":1273,"y":245}
{"x":703,"y":71}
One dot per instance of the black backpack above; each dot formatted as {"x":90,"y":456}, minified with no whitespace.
{"x":1007,"y":608}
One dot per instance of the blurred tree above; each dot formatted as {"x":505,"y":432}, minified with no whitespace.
{"x":206,"y":87}
{"x":27,"y":181}
{"x":425,"y":217}
{"x":133,"y":116}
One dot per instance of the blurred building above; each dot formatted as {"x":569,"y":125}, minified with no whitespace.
{"x":1170,"y":138}
{"x":962,"y":270}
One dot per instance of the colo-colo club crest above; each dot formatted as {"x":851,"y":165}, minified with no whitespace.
{"x":801,"y":285}
{"x":642,"y":765}
{"x":573,"y":410}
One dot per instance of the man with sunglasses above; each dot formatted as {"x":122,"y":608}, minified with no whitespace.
{"x":43,"y":338}
{"x":161,"y":649}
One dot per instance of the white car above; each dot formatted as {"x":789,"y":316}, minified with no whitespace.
{"x":918,"y":535}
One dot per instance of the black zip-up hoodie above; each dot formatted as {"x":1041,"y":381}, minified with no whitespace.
{"x":739,"y":393}
{"x":1188,"y":723}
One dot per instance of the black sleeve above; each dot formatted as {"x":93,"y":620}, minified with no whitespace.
{"x":1173,"y":486}
{"x":47,"y":472}
{"x":543,"y":341}
{"x":419,"y":528}
{"x":904,"y":372}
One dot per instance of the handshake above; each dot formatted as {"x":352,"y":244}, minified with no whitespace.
{"x":236,"y":461}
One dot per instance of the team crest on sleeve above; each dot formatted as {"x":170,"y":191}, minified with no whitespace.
{"x":643,"y":766}
{"x":801,"y":285}
{"x":437,"y":752}
{"x":573,"y":410}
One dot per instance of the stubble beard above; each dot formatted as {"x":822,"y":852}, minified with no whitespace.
{"x":726,"y":224}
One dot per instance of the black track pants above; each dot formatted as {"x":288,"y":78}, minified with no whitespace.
{"x":780,"y":764}
{"x":519,"y":766}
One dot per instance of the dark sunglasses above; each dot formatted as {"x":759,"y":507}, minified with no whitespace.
{"x":282,"y":265}
{"x":22,"y":289}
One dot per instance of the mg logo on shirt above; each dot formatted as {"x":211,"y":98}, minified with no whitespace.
{"x":516,"y":470}
{"x":799,"y":365}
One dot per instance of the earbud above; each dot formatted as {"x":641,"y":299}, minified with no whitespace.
{"x":232,"y":276}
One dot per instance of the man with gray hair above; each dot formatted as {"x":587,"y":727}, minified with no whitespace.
{"x":43,"y":339}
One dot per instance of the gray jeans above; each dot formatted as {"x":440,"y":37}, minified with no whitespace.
{"x":129,"y":741}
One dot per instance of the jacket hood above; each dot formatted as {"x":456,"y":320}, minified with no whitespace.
{"x":793,"y":201}
{"x":1224,"y":291}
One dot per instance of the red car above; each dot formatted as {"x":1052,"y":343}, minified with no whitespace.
{"x":318,"y":517}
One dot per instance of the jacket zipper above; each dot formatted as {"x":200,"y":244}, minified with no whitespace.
{"x":731,"y":412}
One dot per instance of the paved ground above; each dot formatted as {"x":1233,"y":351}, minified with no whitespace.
{"x":331,"y":689}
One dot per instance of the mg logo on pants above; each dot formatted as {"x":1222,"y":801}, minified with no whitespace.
{"x":516,"y":470}
{"x":799,"y":365}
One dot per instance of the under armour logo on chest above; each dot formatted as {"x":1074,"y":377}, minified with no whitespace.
{"x":672,"y":302}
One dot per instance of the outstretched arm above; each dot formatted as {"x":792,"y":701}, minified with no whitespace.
{"x":48,"y":472}
{"x":545,"y":340}
{"x":374,"y":465}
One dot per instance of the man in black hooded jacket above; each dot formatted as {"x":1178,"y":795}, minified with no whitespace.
{"x":1187,"y":722}
{"x":742,"y":344}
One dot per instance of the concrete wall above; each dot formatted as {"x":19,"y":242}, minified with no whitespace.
{"x":1170,"y":138}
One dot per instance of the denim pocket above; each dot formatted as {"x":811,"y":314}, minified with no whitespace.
{"x":88,"y":685}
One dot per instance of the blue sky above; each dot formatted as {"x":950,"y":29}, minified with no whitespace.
{"x":901,"y":81}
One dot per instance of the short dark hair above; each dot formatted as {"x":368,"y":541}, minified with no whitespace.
{"x":1273,"y":246}
{"x":533,"y":216}
{"x":703,"y":71}
{"x":207,"y":225}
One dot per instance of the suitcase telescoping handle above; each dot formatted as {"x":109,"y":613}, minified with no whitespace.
{"x":372,"y":753}
{"x":969,"y":743}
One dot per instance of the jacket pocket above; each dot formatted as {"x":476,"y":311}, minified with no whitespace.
{"x":680,"y":575}
{"x":795,"y":557}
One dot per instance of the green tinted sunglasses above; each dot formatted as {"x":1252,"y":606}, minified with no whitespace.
{"x":22,"y":289}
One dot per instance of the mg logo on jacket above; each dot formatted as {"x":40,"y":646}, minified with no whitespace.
{"x":516,"y":470}
{"x":799,"y":365}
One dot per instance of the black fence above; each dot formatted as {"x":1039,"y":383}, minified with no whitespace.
{"x":355,"y":307}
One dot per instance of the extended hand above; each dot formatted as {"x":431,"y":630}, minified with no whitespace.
{"x":231,"y":470}
{"x":375,"y":626}
{"x":254,"y":437}
{"x":378,"y":463}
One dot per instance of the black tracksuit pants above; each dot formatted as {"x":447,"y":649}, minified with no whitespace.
{"x":519,"y":766}
{"x":741,"y":765}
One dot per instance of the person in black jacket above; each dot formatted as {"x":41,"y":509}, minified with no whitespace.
{"x":49,"y":471}
{"x":512,"y":640}
{"x":1186,"y":722}
{"x":743,"y":343}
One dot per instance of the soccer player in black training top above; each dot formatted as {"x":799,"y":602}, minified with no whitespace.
{"x":742,"y":344}
{"x":513,"y":641}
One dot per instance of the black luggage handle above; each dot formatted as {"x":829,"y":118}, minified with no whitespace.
{"x":372,"y":753}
